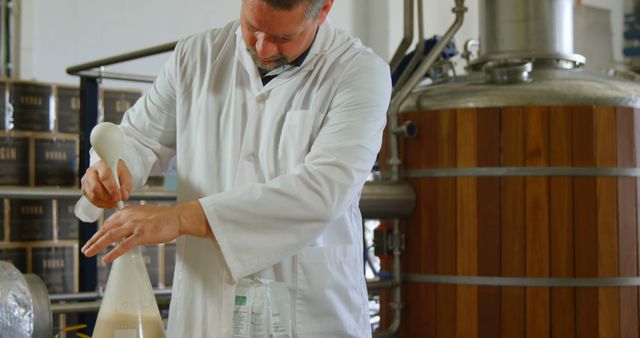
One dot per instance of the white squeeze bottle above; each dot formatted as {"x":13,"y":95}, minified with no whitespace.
{"x":129,"y":308}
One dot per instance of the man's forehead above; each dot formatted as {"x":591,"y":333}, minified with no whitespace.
{"x":272,"y":21}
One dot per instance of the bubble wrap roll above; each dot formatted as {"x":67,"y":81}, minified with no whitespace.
{"x":16,"y":306}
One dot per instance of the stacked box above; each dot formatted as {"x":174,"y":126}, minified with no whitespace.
{"x":68,"y":109}
{"x":115,"y":103}
{"x":57,"y":266}
{"x":16,"y":256}
{"x":30,"y":107}
{"x":169,"y":263}
{"x":67,"y":222}
{"x":30,"y":220}
{"x":56,"y":161}
{"x":14,"y":160}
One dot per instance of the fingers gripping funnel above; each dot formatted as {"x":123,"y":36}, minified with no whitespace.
{"x":106,"y":140}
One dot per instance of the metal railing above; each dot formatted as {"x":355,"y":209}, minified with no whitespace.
{"x":94,"y":69}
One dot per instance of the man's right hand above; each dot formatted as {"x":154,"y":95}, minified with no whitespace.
{"x":99,"y":185}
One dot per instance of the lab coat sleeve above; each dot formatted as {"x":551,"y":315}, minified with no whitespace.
{"x":149,"y":127}
{"x":139,"y":152}
{"x":260,"y":224}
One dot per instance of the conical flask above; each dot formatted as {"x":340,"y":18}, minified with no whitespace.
{"x":129,"y":308}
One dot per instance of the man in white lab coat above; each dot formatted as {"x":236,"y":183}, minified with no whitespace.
{"x":276,"y":120}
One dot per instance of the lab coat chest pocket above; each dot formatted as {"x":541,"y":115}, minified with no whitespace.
{"x":299,"y":129}
{"x":329,"y":294}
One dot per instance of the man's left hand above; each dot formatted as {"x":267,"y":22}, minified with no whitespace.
{"x":147,"y":224}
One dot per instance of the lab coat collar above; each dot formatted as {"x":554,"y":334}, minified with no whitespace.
{"x":322,"y":44}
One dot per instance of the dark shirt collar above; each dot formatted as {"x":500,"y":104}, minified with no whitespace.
{"x":296,"y":63}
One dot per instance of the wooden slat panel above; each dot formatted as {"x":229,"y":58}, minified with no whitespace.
{"x":420,"y":257}
{"x":415,"y":322}
{"x":489,"y":210}
{"x":561,"y":227}
{"x":467,"y":223}
{"x":513,"y":225}
{"x":606,"y":192}
{"x":585,"y":227}
{"x":421,"y":152}
{"x":537,"y":220}
{"x":446,"y":294}
{"x":627,"y":224}
{"x":424,"y":154}
{"x":414,"y":255}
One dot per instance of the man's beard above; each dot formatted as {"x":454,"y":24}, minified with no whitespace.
{"x":279,"y":61}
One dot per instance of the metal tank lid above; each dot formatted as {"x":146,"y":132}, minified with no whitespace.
{"x":543,"y":86}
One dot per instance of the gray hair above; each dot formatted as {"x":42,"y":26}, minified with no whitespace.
{"x":313,"y":6}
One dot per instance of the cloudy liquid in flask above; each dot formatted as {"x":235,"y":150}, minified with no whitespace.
{"x":124,"y":325}
{"x":129,"y":308}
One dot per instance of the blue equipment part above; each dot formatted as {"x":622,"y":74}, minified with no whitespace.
{"x":448,"y":52}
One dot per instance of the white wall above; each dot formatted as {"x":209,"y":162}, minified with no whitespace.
{"x":617,"y":12}
{"x":58,"y":34}
{"x":61,"y":33}
{"x":438,"y":17}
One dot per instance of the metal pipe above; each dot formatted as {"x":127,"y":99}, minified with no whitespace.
{"x":88,"y":301}
{"x":396,"y":303}
{"x":167,"y":47}
{"x":75,"y":297}
{"x":85,"y":296}
{"x":404,"y":92}
{"x":13,"y":48}
{"x":46,"y":193}
{"x":375,"y":285}
{"x":419,"y":51}
{"x":385,"y":199}
{"x":117,"y":76}
{"x":406,"y":39}
{"x":80,"y":307}
{"x":379,"y":199}
{"x":528,"y":29}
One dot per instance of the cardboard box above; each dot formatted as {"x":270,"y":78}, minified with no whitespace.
{"x":57,"y":266}
{"x":30,"y":220}
{"x":14,"y":159}
{"x":115,"y":102}
{"x":30,"y":107}
{"x":68,"y":109}
{"x":66,"y":223}
{"x":56,"y":160}
{"x":16,"y":256}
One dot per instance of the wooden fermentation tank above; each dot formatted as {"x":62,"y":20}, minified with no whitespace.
{"x":523,"y":192}
{"x":527,"y":191}
{"x":526,"y":220}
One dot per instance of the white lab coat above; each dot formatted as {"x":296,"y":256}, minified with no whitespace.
{"x":278,"y":170}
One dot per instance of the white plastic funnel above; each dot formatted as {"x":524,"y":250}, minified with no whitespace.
{"x":106,"y":140}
